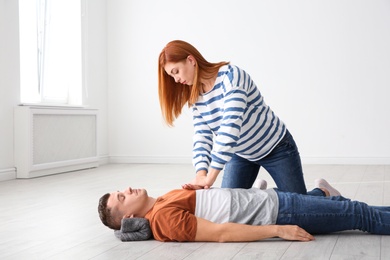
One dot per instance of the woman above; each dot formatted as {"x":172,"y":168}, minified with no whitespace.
{"x":234,"y":129}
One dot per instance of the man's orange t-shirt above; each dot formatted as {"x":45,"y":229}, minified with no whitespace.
{"x":172,"y":216}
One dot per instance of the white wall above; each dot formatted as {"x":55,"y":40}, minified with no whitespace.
{"x":96,"y":81}
{"x":323,"y":66}
{"x":95,"y":68}
{"x":9,"y":82}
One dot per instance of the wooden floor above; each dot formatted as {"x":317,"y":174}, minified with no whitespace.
{"x":55,"y":217}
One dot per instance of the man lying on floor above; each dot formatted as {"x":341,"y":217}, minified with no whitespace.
{"x":224,"y":215}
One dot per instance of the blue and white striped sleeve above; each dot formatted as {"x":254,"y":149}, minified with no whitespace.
{"x":202,"y":142}
{"x":234,"y":106}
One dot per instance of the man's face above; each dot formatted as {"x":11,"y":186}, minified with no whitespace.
{"x":127,"y":203}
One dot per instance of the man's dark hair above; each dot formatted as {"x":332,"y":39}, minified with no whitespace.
{"x":105,"y":213}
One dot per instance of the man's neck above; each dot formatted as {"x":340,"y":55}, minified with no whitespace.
{"x":149,"y":205}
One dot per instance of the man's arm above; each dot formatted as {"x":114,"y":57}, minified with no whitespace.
{"x":233,"y":232}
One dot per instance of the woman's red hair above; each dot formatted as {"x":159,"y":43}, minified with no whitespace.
{"x":173,"y":96}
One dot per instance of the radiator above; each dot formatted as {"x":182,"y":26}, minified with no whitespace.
{"x":50,"y":141}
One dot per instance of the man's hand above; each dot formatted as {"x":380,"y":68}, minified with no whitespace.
{"x":294,"y":233}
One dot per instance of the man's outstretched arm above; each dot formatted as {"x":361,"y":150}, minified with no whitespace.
{"x":233,"y":232}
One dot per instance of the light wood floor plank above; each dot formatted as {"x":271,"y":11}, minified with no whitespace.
{"x":216,"y":251}
{"x":321,"y":248}
{"x":358,"y":245}
{"x":171,"y":250}
{"x":128,"y":250}
{"x":385,"y":247}
{"x":270,"y":249}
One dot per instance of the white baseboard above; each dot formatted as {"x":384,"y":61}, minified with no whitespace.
{"x":7,"y":174}
{"x":151,"y":159}
{"x":347,"y":160}
{"x":10,"y":173}
{"x":103,"y":159}
{"x":305,"y":160}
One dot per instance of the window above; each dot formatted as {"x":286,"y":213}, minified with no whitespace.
{"x":51,"y":52}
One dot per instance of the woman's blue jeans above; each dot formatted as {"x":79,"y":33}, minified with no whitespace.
{"x":283,"y":164}
{"x":318,"y":215}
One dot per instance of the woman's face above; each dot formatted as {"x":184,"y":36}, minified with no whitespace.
{"x":183,"y":72}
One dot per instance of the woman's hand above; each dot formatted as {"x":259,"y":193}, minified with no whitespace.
{"x":189,"y":186}
{"x":202,"y":180}
{"x":294,"y":233}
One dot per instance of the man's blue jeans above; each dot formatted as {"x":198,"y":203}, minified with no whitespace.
{"x":283,"y":164}
{"x":318,"y":215}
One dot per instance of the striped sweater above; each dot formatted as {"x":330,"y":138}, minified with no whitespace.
{"x":233,"y":118}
